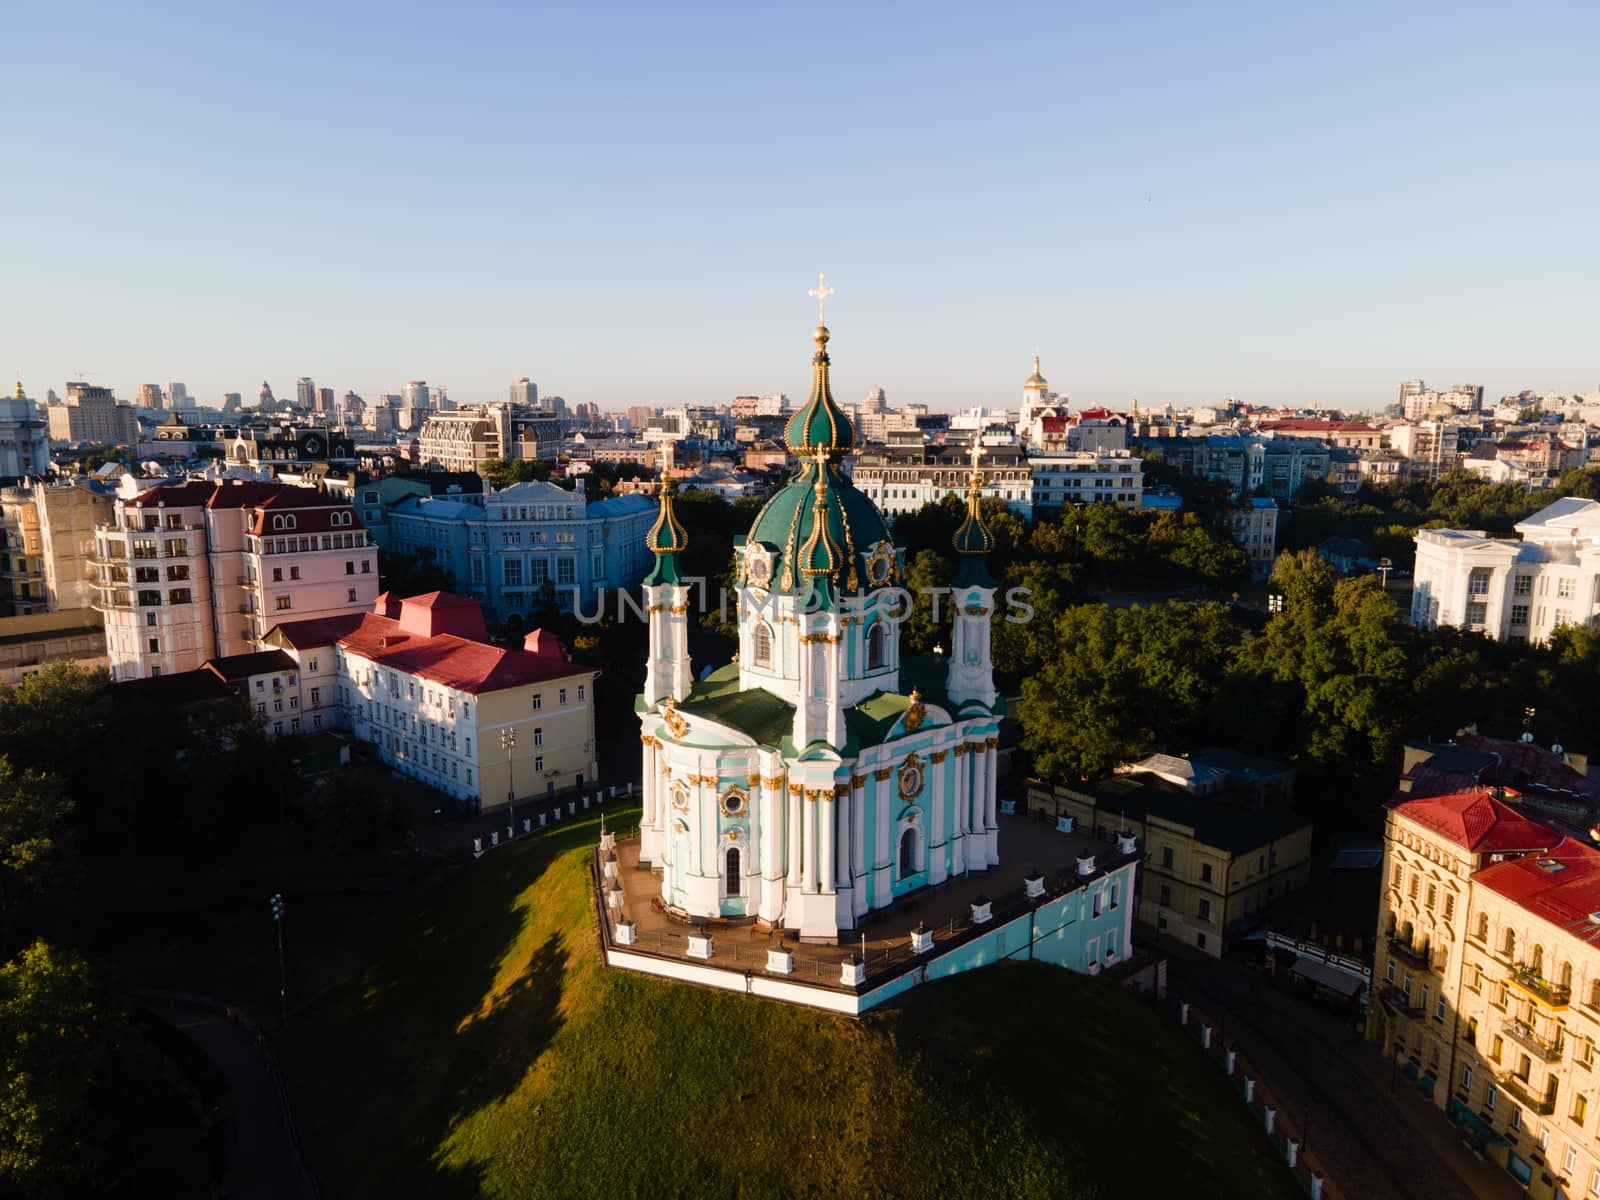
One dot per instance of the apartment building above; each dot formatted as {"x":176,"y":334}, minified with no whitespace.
{"x":1488,"y":980}
{"x":1254,"y":525}
{"x":1349,"y":435}
{"x":1210,"y":863}
{"x":1086,"y":477}
{"x":1517,"y":589}
{"x":1430,"y":448}
{"x":47,"y":545}
{"x":28,"y":643}
{"x":465,"y":438}
{"x":418,"y":678}
{"x":201,"y":569}
{"x":901,"y":479}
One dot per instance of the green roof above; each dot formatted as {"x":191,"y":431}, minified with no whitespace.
{"x":787,"y":521}
{"x":756,"y":712}
{"x":820,"y":422}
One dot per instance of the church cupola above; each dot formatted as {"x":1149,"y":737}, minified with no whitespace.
{"x":668,"y":675}
{"x":1035,"y":382}
{"x":820,"y":424}
{"x":972,"y":540}
{"x":820,"y":556}
{"x":667,"y":537}
{"x":971,"y":673}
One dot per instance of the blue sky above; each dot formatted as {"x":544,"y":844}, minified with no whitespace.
{"x":628,"y":202}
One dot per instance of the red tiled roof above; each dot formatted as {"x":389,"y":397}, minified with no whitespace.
{"x":452,"y":661}
{"x":1475,"y":820}
{"x":1528,"y":766}
{"x":1317,"y":425}
{"x":1054,"y":424}
{"x":316,"y":631}
{"x":1561,"y":885}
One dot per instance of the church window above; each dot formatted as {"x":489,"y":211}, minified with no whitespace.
{"x":908,"y":853}
{"x":877,"y":647}
{"x":734,"y":885}
{"x":761,"y":645}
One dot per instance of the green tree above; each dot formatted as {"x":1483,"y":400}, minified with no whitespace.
{"x":414,"y":574}
{"x":503,"y":472}
{"x":928,"y":581}
{"x":58,"y":1048}
{"x":35,"y":842}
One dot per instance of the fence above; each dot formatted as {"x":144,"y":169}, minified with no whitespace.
{"x":1285,"y":1136}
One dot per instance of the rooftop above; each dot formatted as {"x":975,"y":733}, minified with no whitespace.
{"x":1475,"y":820}
{"x":1144,"y":797}
{"x":1562,"y":885}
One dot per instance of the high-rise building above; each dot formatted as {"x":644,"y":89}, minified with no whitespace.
{"x":48,"y":547}
{"x":266,"y":402}
{"x":231,"y":402}
{"x":324,"y":400}
{"x":415,"y":394}
{"x":178,"y":396}
{"x":524,"y":391}
{"x":93,"y":414}
{"x":150,"y":395}
{"x":305,"y":393}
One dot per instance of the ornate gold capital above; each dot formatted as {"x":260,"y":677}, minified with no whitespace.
{"x":938,"y":756}
{"x":991,"y":743}
{"x":962,"y":748}
{"x":775,"y":782}
{"x":882,"y":773}
{"x":841,"y":789}
{"x":858,"y":781}
{"x":752,"y":780}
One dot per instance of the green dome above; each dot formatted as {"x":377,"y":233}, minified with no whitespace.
{"x":840,"y":549}
{"x":820,"y":423}
{"x":972,"y":540}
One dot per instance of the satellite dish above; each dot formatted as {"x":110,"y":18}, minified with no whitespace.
{"x":1528,"y":736}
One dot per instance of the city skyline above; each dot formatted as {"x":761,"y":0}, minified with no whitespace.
{"x":1284,"y":207}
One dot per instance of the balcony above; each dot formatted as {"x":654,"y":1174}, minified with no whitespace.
{"x":1397,"y":1000}
{"x":1520,"y":1091}
{"x":1411,"y":955}
{"x":1547,"y":1049}
{"x":1530,"y":981}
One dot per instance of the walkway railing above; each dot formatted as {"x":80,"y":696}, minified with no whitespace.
{"x":1286,"y":1137}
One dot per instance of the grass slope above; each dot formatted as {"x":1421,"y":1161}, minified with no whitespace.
{"x":463,"y":1039}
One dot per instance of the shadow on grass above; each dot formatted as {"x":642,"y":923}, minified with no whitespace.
{"x":429,"y":1032}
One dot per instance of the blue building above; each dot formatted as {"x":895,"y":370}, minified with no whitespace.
{"x":530,"y":542}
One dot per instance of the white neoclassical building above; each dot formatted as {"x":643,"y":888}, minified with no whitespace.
{"x":818,"y":777}
{"x":1519,"y":589}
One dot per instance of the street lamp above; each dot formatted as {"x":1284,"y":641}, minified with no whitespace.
{"x":508,"y":743}
{"x":283,"y":991}
{"x":1275,"y":603}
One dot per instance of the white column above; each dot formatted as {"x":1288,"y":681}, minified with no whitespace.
{"x":827,"y":824}
{"x":958,"y":808}
{"x":858,"y":840}
{"x":938,"y":839}
{"x":883,"y":875}
{"x":791,"y":834}
{"x":808,"y":841}
{"x":992,"y":820}
{"x":979,"y":857}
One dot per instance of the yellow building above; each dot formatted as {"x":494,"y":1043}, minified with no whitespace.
{"x":1210,"y":864}
{"x":1488,"y":981}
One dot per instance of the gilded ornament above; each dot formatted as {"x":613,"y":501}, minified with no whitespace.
{"x":773,"y":782}
{"x":938,"y":756}
{"x":857,"y":781}
{"x":917,"y":713}
{"x":991,"y":743}
{"x":672,"y":718}
{"x":735,"y":802}
{"x":752,"y":780}
{"x":911,"y":778}
{"x":882,"y":773}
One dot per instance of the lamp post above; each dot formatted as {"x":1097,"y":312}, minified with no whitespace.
{"x":508,"y":743}
{"x":283,"y":991}
{"x":1275,"y":603}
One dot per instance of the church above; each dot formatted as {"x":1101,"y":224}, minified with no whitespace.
{"x":817,"y":777}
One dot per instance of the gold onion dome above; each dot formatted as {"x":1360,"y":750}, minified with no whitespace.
{"x":972,"y":540}
{"x":1035,"y":380}
{"x":820,"y":423}
{"x":667,"y":537}
{"x":820,"y":556}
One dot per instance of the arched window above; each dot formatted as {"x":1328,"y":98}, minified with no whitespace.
{"x":761,"y":645}
{"x":1483,"y":927}
{"x":734,"y":886}
{"x":1538,"y":960}
{"x":1510,"y":944}
{"x":908,"y":853}
{"x":1564,"y":978}
{"x":877,"y":647}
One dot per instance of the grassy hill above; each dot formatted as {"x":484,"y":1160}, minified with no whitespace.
{"x":462,"y":1039}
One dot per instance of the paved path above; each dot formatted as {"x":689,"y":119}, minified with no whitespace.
{"x":264,"y":1157}
{"x":1374,"y":1145}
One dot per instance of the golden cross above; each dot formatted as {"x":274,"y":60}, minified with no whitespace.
{"x":977,"y":452}
{"x":822,"y":291}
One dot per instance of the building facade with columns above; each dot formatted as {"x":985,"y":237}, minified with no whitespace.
{"x":818,"y":777}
